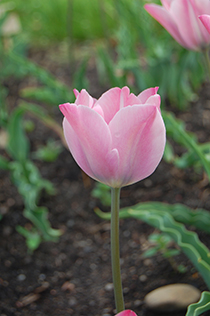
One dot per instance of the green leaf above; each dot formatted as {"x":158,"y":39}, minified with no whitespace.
{"x":176,"y":129}
{"x":48,"y":153}
{"x":171,"y":253}
{"x":18,"y":144}
{"x":168,"y":153}
{"x":33,"y":238}
{"x":21,"y":67}
{"x":188,"y":241}
{"x":4,"y":163}
{"x":102,"y":192}
{"x":29,"y":182}
{"x":38,"y":217}
{"x":202,"y":306}
{"x":44,"y":117}
{"x":198,"y":218}
{"x":150,"y":252}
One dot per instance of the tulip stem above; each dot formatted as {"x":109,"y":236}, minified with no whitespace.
{"x":115,"y":250}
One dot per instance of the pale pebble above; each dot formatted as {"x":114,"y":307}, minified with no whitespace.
{"x":172,"y":297}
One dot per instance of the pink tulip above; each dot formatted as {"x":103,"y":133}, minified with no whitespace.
{"x":205,"y":19}
{"x":118,"y":139}
{"x":180,"y":19}
{"x":126,"y":313}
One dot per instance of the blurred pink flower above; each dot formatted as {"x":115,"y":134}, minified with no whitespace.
{"x":126,"y":312}
{"x":118,"y":139}
{"x":205,"y":19}
{"x":180,"y":19}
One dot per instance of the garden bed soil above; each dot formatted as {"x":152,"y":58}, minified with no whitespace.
{"x":73,"y":276}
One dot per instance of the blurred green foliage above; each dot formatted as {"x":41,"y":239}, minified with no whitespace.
{"x":102,"y":192}
{"x":54,"y":20}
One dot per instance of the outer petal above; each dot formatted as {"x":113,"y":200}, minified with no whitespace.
{"x":154,"y":100}
{"x":205,"y":19}
{"x":126,"y":313}
{"x":202,"y":6}
{"x":167,"y":4}
{"x":165,"y":19}
{"x":138,"y":134}
{"x":187,"y":21}
{"x":89,"y":141}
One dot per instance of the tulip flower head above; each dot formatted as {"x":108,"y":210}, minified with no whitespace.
{"x":118,"y":139}
{"x":205,"y":19}
{"x":126,"y":312}
{"x":180,"y":19}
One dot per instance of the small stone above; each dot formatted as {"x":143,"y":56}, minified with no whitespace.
{"x":67,"y":286}
{"x":173,"y":297}
{"x":21,"y":277}
{"x":137,"y":303}
{"x":109,"y":287}
{"x":143,"y":278}
{"x":72,"y":301}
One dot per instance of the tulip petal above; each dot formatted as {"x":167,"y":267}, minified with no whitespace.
{"x":164,"y":18}
{"x":115,"y":99}
{"x":154,"y":100}
{"x":144,"y":95}
{"x":186,"y":20}
{"x":205,"y":19}
{"x":138,"y":133}
{"x":202,"y":6}
{"x":83,"y":98}
{"x":89,"y":141}
{"x":126,"y":313}
{"x":110,"y":103}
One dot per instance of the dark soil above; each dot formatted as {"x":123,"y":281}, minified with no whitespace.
{"x":73,"y":276}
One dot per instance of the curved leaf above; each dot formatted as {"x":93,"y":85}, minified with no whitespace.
{"x":198,"y":218}
{"x":202,"y":306}
{"x":188,"y":241}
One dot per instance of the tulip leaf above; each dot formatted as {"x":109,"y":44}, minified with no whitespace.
{"x":21,"y":67}
{"x":38,"y":217}
{"x":33,"y":238}
{"x":176,"y":129}
{"x":4,"y":163}
{"x":43,"y":116}
{"x":188,"y":241}
{"x":18,"y":144}
{"x":201,"y":306}
{"x":198,"y":218}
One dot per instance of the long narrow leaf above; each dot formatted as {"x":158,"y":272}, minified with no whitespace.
{"x":198,"y":218}
{"x":188,"y":241}
{"x":175,"y":128}
{"x":202,"y":306}
{"x":18,"y":144}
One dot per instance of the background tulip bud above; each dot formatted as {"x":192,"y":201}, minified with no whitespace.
{"x":118,"y":139}
{"x":126,"y":312}
{"x":180,"y":19}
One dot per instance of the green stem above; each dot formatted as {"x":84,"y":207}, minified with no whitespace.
{"x":115,"y":250}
